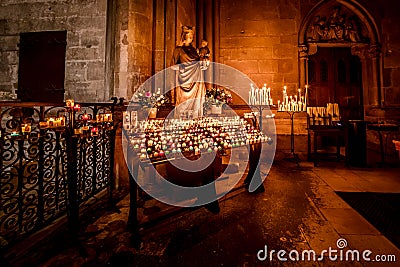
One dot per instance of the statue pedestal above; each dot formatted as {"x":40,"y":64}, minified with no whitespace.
{"x":216,"y":109}
{"x":152,"y":113}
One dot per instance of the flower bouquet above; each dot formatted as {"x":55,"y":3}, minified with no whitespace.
{"x":218,"y":97}
{"x":215,"y":99}
{"x":150,"y":102}
{"x":148,"y":99}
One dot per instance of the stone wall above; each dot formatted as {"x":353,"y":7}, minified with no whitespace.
{"x":85,"y":22}
{"x":186,"y":15}
{"x":145,"y":39}
{"x":259,"y":38}
{"x":391,"y":52}
{"x":139,"y":43}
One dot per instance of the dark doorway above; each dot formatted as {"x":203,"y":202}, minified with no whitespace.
{"x":42,"y":66}
{"x":334,"y":75}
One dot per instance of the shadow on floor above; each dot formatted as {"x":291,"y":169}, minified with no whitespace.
{"x":382,"y":210}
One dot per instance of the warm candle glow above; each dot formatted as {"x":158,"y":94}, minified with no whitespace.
{"x":69,"y":103}
{"x":85,"y":117}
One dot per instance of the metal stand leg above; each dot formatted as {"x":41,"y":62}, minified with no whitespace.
{"x":254,"y":173}
{"x":133,"y":223}
{"x":381,"y":147}
{"x":294,"y":157}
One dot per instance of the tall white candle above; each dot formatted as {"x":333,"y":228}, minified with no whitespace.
{"x":257,"y":96}
{"x":284,"y":93}
{"x":306,"y":95}
{"x":264,"y":94}
{"x":251,"y":94}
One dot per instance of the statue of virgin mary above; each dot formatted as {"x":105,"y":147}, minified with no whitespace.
{"x":190,"y":91}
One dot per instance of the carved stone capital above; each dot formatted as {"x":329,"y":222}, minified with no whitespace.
{"x":303,"y":51}
{"x":312,"y":49}
{"x":359,"y":50}
{"x":374,"y":51}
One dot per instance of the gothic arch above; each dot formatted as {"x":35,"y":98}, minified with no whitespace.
{"x":318,"y":30}
{"x":364,"y":16}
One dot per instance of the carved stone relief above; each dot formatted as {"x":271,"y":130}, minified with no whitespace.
{"x":336,"y":24}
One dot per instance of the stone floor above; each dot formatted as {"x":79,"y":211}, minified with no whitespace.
{"x":299,"y":210}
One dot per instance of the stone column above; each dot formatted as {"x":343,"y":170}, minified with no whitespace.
{"x":208,"y":35}
{"x":375,"y":90}
{"x":216,"y":45}
{"x":303,"y":65}
{"x":360,"y":51}
{"x":109,"y":87}
{"x":171,"y":35}
{"x":199,"y":21}
{"x":159,"y":48}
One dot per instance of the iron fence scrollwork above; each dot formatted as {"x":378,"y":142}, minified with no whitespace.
{"x":53,"y":160}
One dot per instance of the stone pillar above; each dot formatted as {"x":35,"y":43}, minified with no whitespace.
{"x":121,"y":55}
{"x":139,"y":43}
{"x":216,"y":45}
{"x":360,"y":51}
{"x":159,"y":60}
{"x":216,"y":27}
{"x":109,"y":86}
{"x":303,"y":65}
{"x":171,"y":35}
{"x":375,"y":91}
{"x":158,"y":37}
{"x":199,"y":21}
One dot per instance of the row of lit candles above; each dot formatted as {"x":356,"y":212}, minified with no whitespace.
{"x":106,"y":117}
{"x":156,"y":144}
{"x":27,"y":128}
{"x":177,"y":123}
{"x":94,"y":131}
{"x":262,"y":96}
{"x":295,"y":103}
{"x":50,"y":123}
{"x":199,"y":130}
{"x":161,"y":151}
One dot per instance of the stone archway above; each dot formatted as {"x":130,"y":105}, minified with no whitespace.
{"x":339,"y":23}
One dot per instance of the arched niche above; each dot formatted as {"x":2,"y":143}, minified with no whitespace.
{"x":339,"y":23}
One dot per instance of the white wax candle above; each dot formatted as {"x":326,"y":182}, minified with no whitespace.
{"x":306,"y":95}
{"x":257,"y":98}
{"x":265,"y":96}
{"x":251,"y":96}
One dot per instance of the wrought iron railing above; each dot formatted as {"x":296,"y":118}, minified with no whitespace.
{"x":53,"y":159}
